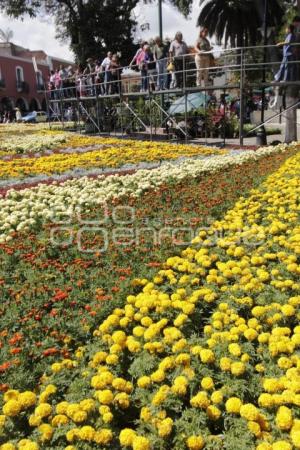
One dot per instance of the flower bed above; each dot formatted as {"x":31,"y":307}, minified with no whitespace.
{"x":28,"y":140}
{"x":22,"y":210}
{"x":203,"y":352}
{"x":115,"y":156}
{"x":39,"y":300}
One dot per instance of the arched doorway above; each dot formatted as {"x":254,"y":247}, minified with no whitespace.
{"x":34,"y":105}
{"x":22,"y":104}
{"x":6,"y":104}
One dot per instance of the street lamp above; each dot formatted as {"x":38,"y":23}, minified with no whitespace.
{"x":262,"y":134}
{"x":160,"y":27}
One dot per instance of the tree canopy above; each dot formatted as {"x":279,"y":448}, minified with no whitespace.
{"x":238,"y":21}
{"x":92,"y":26}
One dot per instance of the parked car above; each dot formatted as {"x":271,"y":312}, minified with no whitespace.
{"x":35,"y":116}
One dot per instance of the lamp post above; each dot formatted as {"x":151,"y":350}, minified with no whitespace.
{"x":160,"y":27}
{"x":262,"y":135}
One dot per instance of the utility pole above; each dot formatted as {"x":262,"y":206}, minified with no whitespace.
{"x":160,"y":26}
{"x":263,"y":137}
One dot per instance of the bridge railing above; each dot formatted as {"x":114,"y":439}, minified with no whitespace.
{"x":228,"y":64}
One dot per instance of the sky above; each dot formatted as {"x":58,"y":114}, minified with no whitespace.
{"x":40,"y":35}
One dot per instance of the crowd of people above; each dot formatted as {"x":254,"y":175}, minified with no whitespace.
{"x":161,"y":65}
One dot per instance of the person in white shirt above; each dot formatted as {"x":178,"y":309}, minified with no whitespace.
{"x":107,"y":75}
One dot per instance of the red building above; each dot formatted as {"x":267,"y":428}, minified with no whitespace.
{"x":23,"y":75}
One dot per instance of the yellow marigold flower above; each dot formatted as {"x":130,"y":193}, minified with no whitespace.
{"x":34,"y":421}
{"x":133,"y":345}
{"x":62,"y":407}
{"x":245,"y":358}
{"x":183,"y":358}
{"x":158,"y":376}
{"x":7,"y":446}
{"x":237,"y":368}
{"x":59,"y":419}
{"x":295,"y":437}
{"x":195,"y":442}
{"x":141,"y":443}
{"x":144,"y":382}
{"x":225,"y":364}
{"x":56,"y":367}
{"x":260,"y":368}
{"x":249,"y":412}
{"x":145,"y":414}
{"x":103,"y":436}
{"x":122,"y":399}
{"x":281,"y":445}
{"x":27,"y":444}
{"x":51,"y":389}
{"x":86,"y":433}
{"x":213,"y":412}
{"x":254,"y":428}
{"x":87,"y":404}
{"x":103,"y":409}
{"x":178,"y":387}
{"x":11,"y":394}
{"x":119,"y":384}
{"x":200,"y":400}
{"x":72,"y":434}
{"x":288,"y":310}
{"x":265,"y":400}
{"x":216,"y":397}
{"x":233,"y":405}
{"x":43,"y":410}
{"x":180,"y":320}
{"x":27,"y":399}
{"x":250,"y":334}
{"x":99,"y":357}
{"x":105,"y":397}
{"x":12,"y":408}
{"x":112,"y":360}
{"x":284,"y":418}
{"x":119,"y":337}
{"x":43,"y":397}
{"x":264,"y":446}
{"x":70,"y":447}
{"x":272,"y":385}
{"x":2,"y":420}
{"x":207,"y":383}
{"x":207,"y":356}
{"x":107,"y":417}
{"x":235,"y":349}
{"x":102,"y":380}
{"x":126,"y":437}
{"x":79,"y":416}
{"x":165,"y":427}
{"x":46,"y":430}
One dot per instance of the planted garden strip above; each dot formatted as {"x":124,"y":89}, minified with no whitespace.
{"x":94,"y":282}
{"x":202,"y":353}
{"x":22,"y":210}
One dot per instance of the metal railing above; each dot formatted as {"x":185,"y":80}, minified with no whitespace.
{"x":237,"y":70}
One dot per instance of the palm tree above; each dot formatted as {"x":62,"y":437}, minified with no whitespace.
{"x":238,"y":21}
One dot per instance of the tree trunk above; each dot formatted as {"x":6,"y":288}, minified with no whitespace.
{"x":291,"y":115}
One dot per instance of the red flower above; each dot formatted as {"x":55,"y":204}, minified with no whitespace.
{"x":50,"y":351}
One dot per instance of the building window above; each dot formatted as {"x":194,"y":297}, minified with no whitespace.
{"x":39,"y":80}
{"x":19,"y":74}
{"x":2,"y":81}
